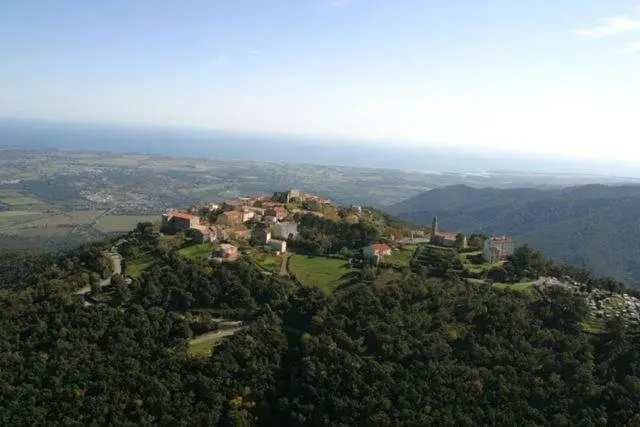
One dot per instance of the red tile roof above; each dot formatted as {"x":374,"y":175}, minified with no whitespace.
{"x":447,"y":235}
{"x":381,"y":247}
{"x":181,"y":214}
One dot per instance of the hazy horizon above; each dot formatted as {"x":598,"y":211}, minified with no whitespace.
{"x":180,"y":141}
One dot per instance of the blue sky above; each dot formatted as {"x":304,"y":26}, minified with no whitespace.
{"x":548,"y":76}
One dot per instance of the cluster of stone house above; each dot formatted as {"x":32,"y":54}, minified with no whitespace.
{"x":495,"y":249}
{"x":261,"y":218}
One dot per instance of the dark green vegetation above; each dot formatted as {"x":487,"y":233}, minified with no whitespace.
{"x":392,"y":346}
{"x":320,"y":236}
{"x":594,"y":227}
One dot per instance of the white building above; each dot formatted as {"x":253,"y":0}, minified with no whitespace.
{"x":284,"y":230}
{"x":247,"y":215}
{"x":277,"y":246}
{"x":376,"y":251}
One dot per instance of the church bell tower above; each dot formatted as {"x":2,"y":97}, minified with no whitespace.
{"x":434,"y":228}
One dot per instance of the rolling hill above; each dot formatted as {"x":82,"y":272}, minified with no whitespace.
{"x":595,"y":226}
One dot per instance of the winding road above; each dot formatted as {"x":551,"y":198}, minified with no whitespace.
{"x":116,"y":260}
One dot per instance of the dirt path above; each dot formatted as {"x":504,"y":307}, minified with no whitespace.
{"x":284,"y":267}
{"x":215,"y":335}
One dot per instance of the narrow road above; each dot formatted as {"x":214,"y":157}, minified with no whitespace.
{"x":116,"y":260}
{"x":284,"y":267}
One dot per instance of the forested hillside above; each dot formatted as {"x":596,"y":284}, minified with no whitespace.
{"x":595,"y":227}
{"x":406,"y":346}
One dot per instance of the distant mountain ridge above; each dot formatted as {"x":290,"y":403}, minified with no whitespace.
{"x":593,"y":226}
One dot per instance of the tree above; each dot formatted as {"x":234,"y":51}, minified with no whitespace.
{"x":121,"y":292}
{"x":95,"y":281}
{"x":497,"y":274}
{"x":144,"y":228}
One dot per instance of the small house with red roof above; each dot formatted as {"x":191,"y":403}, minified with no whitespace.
{"x":278,"y":212}
{"x":377,"y":251}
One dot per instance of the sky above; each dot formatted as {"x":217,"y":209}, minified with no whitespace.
{"x":558,"y":77}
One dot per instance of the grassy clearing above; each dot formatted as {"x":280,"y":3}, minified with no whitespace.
{"x":139,"y":263}
{"x":474,"y":268}
{"x":325,"y":273}
{"x":202,"y":348}
{"x":203,"y":345}
{"x":112,"y":223}
{"x":268,"y":262}
{"x":402,"y":254}
{"x":523,"y":287}
{"x":197,"y":251}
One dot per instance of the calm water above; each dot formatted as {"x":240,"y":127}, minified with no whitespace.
{"x":279,"y":148}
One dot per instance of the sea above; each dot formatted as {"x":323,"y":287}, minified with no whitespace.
{"x":283,"y":148}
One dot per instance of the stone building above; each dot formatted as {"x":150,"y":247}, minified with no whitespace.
{"x":175,"y":221}
{"x":286,"y":196}
{"x":498,"y":248}
{"x":285,"y":230}
{"x":446,"y":238}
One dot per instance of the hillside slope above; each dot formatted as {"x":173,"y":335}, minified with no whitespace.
{"x":594,"y":226}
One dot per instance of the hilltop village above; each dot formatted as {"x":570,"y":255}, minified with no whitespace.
{"x":287,"y":222}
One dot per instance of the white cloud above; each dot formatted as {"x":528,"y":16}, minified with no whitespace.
{"x":610,"y":27}
{"x":634,"y":47}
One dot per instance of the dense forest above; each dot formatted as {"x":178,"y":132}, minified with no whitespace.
{"x":593,"y":226}
{"x":416,"y":346}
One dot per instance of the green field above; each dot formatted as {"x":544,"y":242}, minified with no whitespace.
{"x":268,"y":262}
{"x":402,"y":254}
{"x":48,"y":225}
{"x":202,"y":348}
{"x":15,"y":198}
{"x":523,"y":287}
{"x":112,"y":223}
{"x":139,"y":263}
{"x":198,"y":251}
{"x":10,"y":218}
{"x":202,"y":345}
{"x":474,"y":268}
{"x":9,"y":214}
{"x":325,"y":273}
{"x":21,"y":201}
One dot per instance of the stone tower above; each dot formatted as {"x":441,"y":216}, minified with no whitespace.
{"x":434,"y":228}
